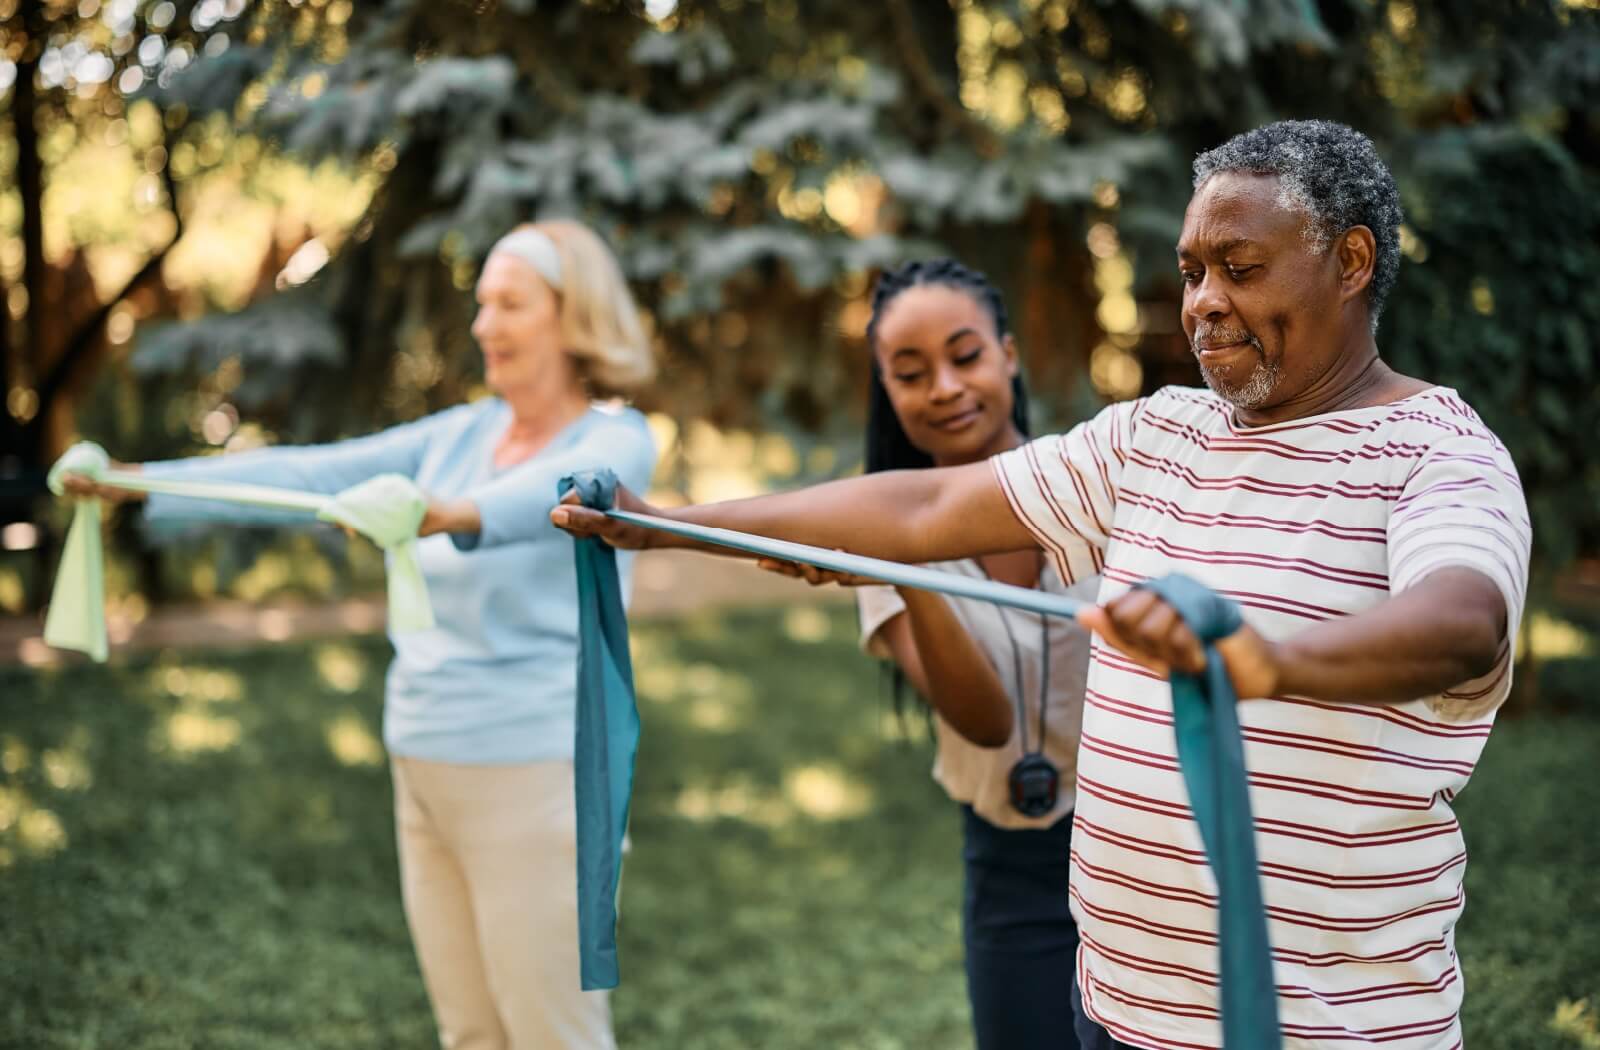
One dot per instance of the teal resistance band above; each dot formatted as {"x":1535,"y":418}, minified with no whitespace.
{"x":875,"y":568}
{"x":1209,"y":748}
{"x":1211,"y":756}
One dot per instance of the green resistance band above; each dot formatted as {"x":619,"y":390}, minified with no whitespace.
{"x":1210,"y":751}
{"x":386,"y":509}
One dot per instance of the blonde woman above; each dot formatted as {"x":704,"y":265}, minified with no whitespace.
{"x":479,"y":711}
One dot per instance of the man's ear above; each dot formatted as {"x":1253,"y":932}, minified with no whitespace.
{"x":1358,"y":256}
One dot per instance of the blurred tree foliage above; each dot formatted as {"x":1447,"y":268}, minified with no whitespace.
{"x":752,"y":162}
{"x":751,"y":165}
{"x":62,"y":69}
{"x":102,"y":194}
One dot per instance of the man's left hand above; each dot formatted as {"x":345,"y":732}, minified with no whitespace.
{"x":1149,"y":631}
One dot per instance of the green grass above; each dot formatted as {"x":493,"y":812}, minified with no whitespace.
{"x":195,"y":851}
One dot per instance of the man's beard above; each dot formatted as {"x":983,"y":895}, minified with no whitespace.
{"x":1256,"y":387}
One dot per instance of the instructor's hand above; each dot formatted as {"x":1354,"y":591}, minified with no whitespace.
{"x":1149,"y":631}
{"x":813,"y":575}
{"x":572,"y":516}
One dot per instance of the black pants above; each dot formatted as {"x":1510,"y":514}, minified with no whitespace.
{"x":1091,"y":1036}
{"x":1021,"y":941}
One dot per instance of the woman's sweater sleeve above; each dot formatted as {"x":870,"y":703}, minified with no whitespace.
{"x":515,"y":506}
{"x":323,"y":469}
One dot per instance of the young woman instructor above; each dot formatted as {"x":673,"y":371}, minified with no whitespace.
{"x":1006,"y":686}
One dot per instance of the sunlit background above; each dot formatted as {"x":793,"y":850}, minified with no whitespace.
{"x":232,"y":223}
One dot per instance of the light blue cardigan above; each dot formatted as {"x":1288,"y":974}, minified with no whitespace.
{"x":494,"y":682}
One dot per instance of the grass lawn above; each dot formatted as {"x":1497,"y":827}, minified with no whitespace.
{"x":195,"y":851}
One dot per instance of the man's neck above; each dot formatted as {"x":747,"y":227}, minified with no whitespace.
{"x":1359,"y":379}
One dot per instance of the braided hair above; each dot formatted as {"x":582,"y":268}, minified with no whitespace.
{"x":888,"y":447}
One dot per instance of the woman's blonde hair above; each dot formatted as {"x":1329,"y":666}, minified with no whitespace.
{"x":601,"y":330}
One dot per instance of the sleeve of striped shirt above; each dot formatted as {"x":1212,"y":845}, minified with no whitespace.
{"x":1463,"y":507}
{"x":1064,"y":487}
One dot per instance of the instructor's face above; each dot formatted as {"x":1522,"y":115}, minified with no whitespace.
{"x":947,"y":372}
{"x":518,"y":323}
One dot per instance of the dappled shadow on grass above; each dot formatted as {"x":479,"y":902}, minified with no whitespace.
{"x":222,"y":878}
{"x":795,"y":876}
{"x":226,"y":876}
{"x":217,"y":868}
{"x":1530,"y":939}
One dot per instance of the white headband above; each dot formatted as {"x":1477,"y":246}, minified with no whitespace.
{"x":537,"y":250}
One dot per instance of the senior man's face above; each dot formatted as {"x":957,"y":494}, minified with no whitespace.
{"x":1260,"y":303}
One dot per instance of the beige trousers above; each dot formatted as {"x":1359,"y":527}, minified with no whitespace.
{"x":488,"y":861}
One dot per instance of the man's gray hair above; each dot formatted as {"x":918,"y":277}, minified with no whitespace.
{"x":1330,"y":173}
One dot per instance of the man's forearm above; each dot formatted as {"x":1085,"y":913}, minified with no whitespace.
{"x":910,"y":516}
{"x":1444,"y":631}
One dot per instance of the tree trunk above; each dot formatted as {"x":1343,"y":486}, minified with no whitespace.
{"x":21,"y":448}
{"x":30,"y":182}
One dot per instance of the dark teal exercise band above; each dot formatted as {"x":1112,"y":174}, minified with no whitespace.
{"x":875,"y":568}
{"x":1210,"y":750}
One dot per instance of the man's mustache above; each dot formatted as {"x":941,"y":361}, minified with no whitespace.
{"x":1212,"y":334}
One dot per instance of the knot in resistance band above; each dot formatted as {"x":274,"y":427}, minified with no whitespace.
{"x":1210,"y":751}
{"x":387,"y":509}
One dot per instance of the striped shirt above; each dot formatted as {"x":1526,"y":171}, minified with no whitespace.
{"x":1361,"y":856}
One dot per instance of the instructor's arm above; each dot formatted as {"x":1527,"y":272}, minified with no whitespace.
{"x":945,"y":665}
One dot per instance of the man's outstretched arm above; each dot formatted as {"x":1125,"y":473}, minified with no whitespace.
{"x":911,"y":516}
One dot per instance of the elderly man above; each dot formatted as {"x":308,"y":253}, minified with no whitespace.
{"x":1373,"y":531}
